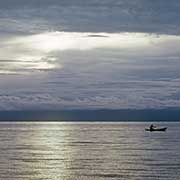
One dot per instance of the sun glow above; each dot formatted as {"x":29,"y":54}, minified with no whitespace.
{"x":53,"y":41}
{"x":33,"y":52}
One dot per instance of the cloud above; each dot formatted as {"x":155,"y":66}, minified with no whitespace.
{"x":161,"y":17}
{"x":43,"y":101}
{"x":27,"y":53}
{"x":100,"y":76}
{"x":89,"y":54}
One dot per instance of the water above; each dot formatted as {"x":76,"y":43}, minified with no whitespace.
{"x":86,"y":151}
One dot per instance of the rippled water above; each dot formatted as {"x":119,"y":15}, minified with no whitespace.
{"x":55,"y":151}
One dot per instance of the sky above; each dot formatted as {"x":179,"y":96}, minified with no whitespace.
{"x":98,"y":54}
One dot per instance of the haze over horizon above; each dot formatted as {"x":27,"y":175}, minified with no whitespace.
{"x":108,"y":54}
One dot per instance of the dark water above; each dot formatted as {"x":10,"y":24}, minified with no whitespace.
{"x":55,"y":151}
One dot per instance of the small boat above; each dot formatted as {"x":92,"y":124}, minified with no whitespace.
{"x":156,"y":129}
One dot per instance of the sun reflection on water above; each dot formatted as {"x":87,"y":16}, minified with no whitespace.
{"x":56,"y":150}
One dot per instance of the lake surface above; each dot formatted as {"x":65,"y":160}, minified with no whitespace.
{"x":86,"y":151}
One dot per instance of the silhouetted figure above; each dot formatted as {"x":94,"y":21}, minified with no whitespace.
{"x":151,"y":127}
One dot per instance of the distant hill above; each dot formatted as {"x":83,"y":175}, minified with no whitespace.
{"x":93,"y":115}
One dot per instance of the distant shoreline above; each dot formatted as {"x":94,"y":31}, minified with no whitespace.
{"x":89,"y":121}
{"x":102,"y":115}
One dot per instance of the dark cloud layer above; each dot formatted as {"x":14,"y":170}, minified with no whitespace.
{"x":160,"y":16}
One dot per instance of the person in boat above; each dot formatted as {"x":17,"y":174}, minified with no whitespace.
{"x":152,"y":126}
